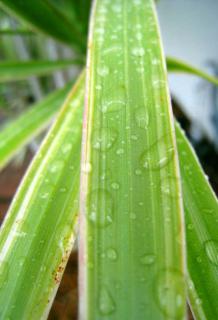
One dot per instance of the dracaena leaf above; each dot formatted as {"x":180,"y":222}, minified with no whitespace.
{"x":131,"y":231}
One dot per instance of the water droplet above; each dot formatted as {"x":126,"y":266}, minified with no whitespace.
{"x":115,"y":185}
{"x":63,"y":190}
{"x":157,"y":156}
{"x":211,"y":249}
{"x":120,"y":151}
{"x":66,"y":148}
{"x":133,"y":216}
{"x":138,"y":172}
{"x":147,"y":259}
{"x":44,"y":195}
{"x":111,"y":254}
{"x":106,"y":302}
{"x":138,"y":52}
{"x":3,"y":273}
{"x":101,"y":207}
{"x":141,"y":118}
{"x":103,"y":71}
{"x":87,"y":167}
{"x":56,"y":166}
{"x":104,"y":138}
{"x":168,"y":187}
{"x":113,"y":106}
{"x":170,"y":293}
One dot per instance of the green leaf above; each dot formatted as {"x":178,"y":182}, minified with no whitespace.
{"x":21,"y":130}
{"x":43,"y":16}
{"x":201,"y":217}
{"x":131,"y":225}
{"x":175,"y":65}
{"x":18,"y":70}
{"x":11,"y":32}
{"x":39,"y":230}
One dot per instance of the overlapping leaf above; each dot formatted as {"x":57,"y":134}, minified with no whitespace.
{"x":17,"y":70}
{"x":21,"y":130}
{"x":44,"y":16}
{"x":39,"y":230}
{"x":201,"y":217}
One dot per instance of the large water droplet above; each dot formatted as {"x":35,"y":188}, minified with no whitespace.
{"x":147,"y":259}
{"x":104,"y":138}
{"x":157,"y":156}
{"x":113,"y":106}
{"x":106,"y":302}
{"x":170,"y":293}
{"x":211,"y":249}
{"x":101,"y":207}
{"x":141,"y":118}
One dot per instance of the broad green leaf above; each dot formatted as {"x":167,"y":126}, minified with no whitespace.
{"x":201,"y":217}
{"x":131,"y":230}
{"x":17,"y":70}
{"x":175,"y":65}
{"x":43,"y":16}
{"x":21,"y":130}
{"x":38,"y":233}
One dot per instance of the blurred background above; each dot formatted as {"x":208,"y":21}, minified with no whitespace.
{"x":189,"y":30}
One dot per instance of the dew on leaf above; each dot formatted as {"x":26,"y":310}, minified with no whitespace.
{"x":111,"y":254}
{"x":141,"y":118}
{"x":106,"y":303}
{"x":104,"y":138}
{"x":170,"y":293}
{"x":147,"y":259}
{"x":157,"y":156}
{"x":101,"y":208}
{"x":211,"y":249}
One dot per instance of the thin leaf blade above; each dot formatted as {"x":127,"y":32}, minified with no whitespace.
{"x":175,"y":65}
{"x":19,"y":70}
{"x":38,"y":233}
{"x":201,"y":216}
{"x":43,"y":16}
{"x":18,"y":132}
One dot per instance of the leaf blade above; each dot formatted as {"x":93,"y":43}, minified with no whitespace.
{"x":38,"y":233}
{"x":18,"y":70}
{"x":43,"y":16}
{"x":176,"y":65}
{"x":20,"y":131}
{"x":110,"y":248}
{"x":201,"y":214}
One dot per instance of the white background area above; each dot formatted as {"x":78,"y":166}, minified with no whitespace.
{"x":190,"y":32}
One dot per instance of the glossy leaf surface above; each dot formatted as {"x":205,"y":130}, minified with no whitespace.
{"x":131,"y":230}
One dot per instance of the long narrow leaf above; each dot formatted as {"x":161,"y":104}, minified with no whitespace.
{"x":18,"y":70}
{"x":21,"y":130}
{"x":39,"y":230}
{"x":175,"y":65}
{"x":201,"y":216}
{"x":131,"y":230}
{"x":42,"y":15}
